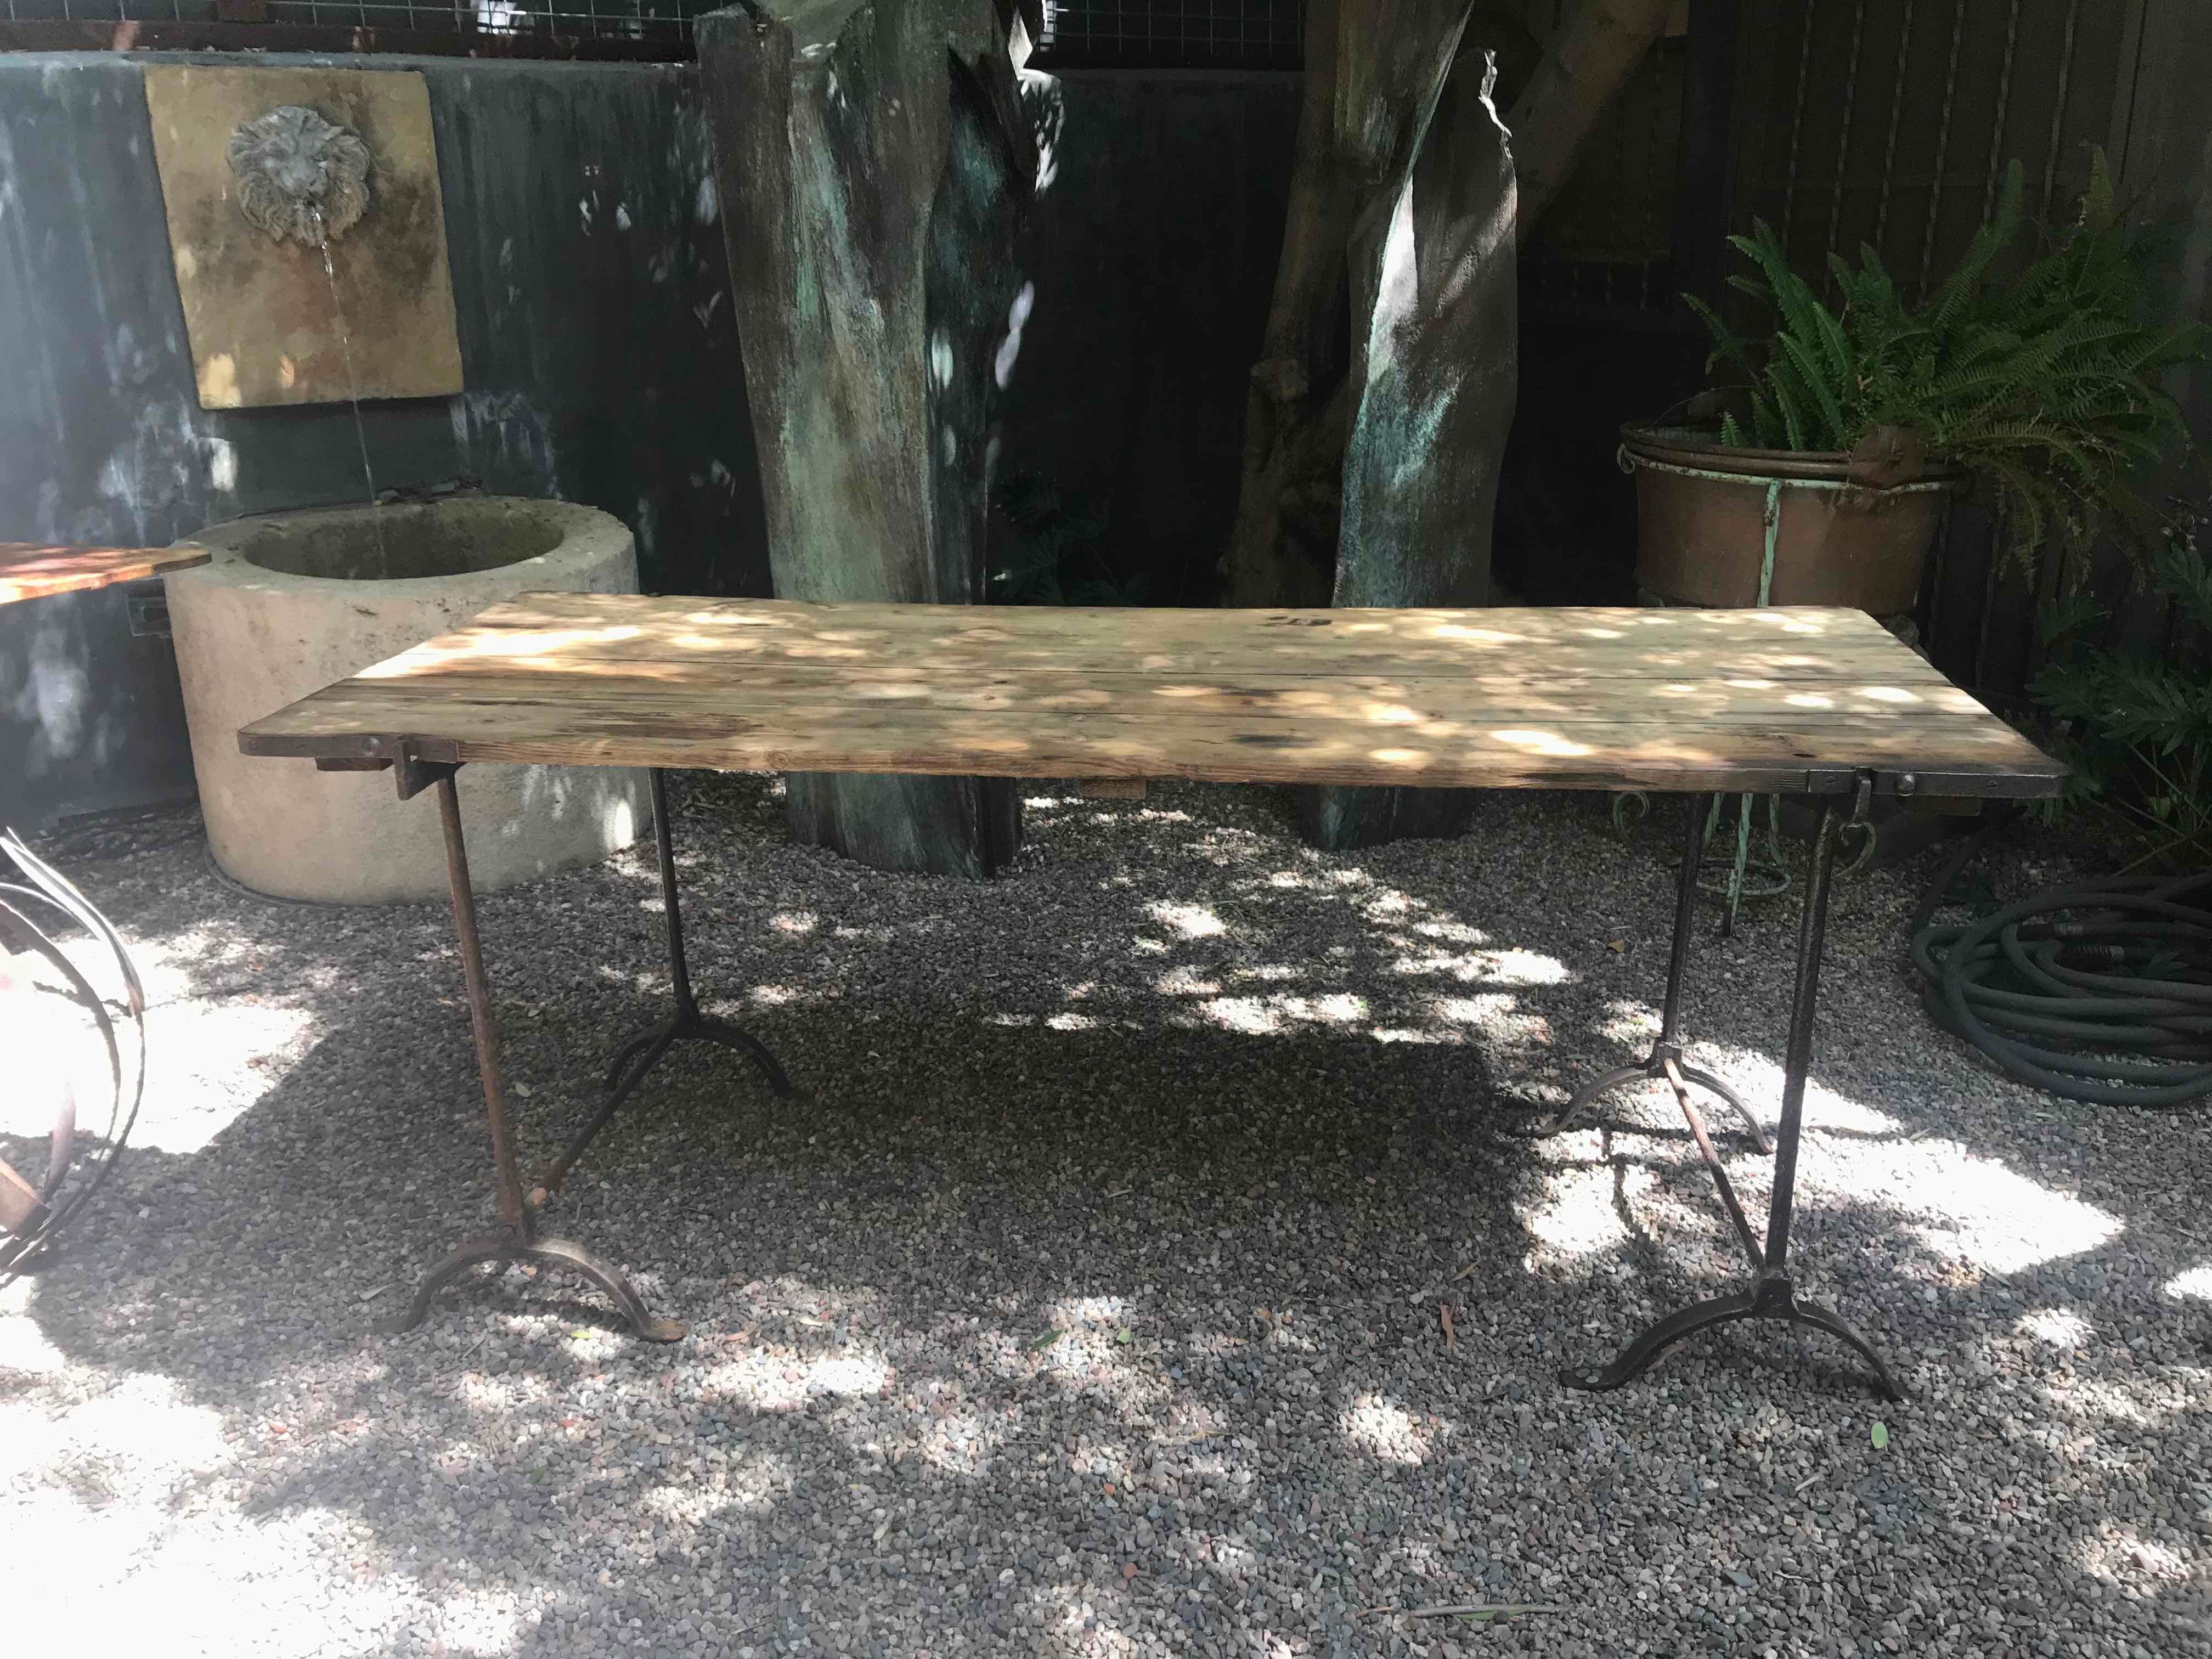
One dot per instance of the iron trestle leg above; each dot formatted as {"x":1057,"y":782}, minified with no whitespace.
{"x":1771,"y":1294}
{"x":636,"y":1058}
{"x":1665,"y":1062}
{"x":516,"y":1239}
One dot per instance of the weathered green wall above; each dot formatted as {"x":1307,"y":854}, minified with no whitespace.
{"x":599,"y":356}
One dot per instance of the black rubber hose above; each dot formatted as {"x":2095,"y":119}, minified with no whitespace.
{"x":2100,"y":991}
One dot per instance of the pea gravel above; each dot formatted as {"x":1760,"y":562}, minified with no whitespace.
{"x":1093,"y":1300}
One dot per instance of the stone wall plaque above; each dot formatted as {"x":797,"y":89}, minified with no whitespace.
{"x":268,"y":323}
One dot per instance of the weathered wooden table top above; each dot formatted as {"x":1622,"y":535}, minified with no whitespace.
{"x":33,"y":570}
{"x":1795,"y":698}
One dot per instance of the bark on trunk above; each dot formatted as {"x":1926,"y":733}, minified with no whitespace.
{"x":1581,"y":70}
{"x":1374,"y":71}
{"x":872,"y":163}
{"x":1377,"y":415}
{"x":1437,"y":370}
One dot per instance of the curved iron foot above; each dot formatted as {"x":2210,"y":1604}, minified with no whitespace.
{"x":1566,"y":1116}
{"x":471,"y":1253}
{"x":1631,"y":1362}
{"x":556,"y":1252}
{"x":647,"y":1051}
{"x":622,"y":1076}
{"x":569,"y":1253}
{"x":727,"y":1036}
{"x":637,"y":1057}
{"x":1812,"y":1314}
{"x":1654,"y":1069}
{"x":663,"y":1034}
{"x":1712,"y":1084}
{"x":1772,"y":1299}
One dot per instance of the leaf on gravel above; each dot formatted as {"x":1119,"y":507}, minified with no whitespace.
{"x":1444,"y":1316}
{"x":1124,"y":1335}
{"x":1044,"y":1341}
{"x":1880,"y":1435}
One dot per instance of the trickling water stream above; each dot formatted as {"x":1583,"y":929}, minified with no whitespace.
{"x":353,"y":386}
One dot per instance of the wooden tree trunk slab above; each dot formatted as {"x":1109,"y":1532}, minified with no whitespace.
{"x":1584,"y":67}
{"x":872,"y":161}
{"x":1374,"y":70}
{"x":1437,"y":373}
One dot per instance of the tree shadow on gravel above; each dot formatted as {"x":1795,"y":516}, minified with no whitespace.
{"x":1110,"y":1234}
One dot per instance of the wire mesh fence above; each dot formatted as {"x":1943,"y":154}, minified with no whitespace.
{"x":1171,"y":34}
{"x":1075,"y":33}
{"x":652,"y":28}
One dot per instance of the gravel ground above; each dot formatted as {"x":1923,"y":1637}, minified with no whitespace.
{"x":1091,"y":1300}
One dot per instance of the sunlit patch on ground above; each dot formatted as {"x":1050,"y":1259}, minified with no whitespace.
{"x":777,"y":1381}
{"x":1187,"y":921}
{"x":1574,"y":1216}
{"x":1386,"y":1429}
{"x":2196,"y":1283}
{"x":2061,"y":1328}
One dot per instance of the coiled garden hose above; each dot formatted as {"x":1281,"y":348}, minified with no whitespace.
{"x":2099,"y":992}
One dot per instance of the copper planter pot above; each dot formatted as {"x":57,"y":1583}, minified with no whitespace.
{"x":1844,"y":531}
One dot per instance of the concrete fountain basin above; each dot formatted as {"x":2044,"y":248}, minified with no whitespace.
{"x":289,"y":602}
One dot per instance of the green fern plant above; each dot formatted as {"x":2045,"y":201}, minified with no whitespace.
{"x":2046,"y":383}
{"x":2137,"y":726}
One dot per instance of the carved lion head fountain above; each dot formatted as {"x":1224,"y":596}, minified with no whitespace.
{"x":300,"y":175}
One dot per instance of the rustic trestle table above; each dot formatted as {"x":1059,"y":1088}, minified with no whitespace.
{"x":1802,"y":700}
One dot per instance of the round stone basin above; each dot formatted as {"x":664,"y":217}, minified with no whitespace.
{"x":289,"y":602}
{"x":408,"y":542}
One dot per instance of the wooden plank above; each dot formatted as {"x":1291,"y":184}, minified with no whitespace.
{"x":34,"y":570}
{"x":1037,"y":744}
{"x":1590,"y":628}
{"x":1430,"y":706}
{"x":1023,"y":666}
{"x":1028,"y":664}
{"x":1591,"y":698}
{"x":1035,"y":622}
{"x":843,"y":632}
{"x":1773,"y":762}
{"x":757,"y":661}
